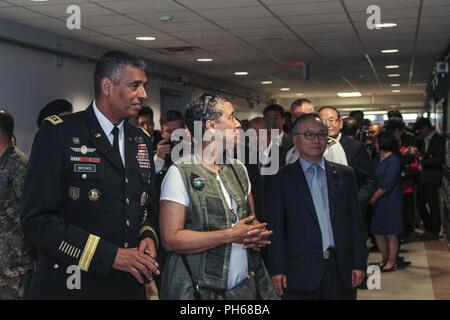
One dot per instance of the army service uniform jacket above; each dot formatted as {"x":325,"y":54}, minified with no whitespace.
{"x":80,"y":205}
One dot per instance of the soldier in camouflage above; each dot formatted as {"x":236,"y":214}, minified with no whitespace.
{"x":16,"y":263}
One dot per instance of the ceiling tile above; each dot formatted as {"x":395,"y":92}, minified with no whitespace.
{"x":307,"y":8}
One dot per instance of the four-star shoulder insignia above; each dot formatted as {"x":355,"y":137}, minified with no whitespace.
{"x":54,"y":120}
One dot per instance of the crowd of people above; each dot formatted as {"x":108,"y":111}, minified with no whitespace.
{"x":102,"y":191}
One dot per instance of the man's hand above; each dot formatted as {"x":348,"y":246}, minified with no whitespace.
{"x":137,"y":263}
{"x":358,"y":277}
{"x":163,"y":148}
{"x":147,"y":246}
{"x":280,"y":283}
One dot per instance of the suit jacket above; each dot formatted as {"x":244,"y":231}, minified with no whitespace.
{"x":432,"y":160}
{"x":258,"y":182}
{"x":287,"y":142}
{"x":358,"y":158}
{"x":80,"y":205}
{"x":296,"y":248}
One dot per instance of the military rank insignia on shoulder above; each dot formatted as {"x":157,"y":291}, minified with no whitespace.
{"x":54,"y":120}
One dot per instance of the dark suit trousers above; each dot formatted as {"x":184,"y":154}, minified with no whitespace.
{"x":429,"y":194}
{"x":331,"y":287}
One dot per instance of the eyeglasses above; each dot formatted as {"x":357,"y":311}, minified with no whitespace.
{"x":311,"y":135}
{"x":206,"y":98}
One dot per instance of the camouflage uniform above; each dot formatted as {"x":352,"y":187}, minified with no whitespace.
{"x":16,"y":263}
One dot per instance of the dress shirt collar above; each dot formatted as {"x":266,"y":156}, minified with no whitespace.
{"x":106,"y":125}
{"x":305,"y":164}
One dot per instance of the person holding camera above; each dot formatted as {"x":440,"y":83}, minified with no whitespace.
{"x":207,"y":216}
{"x":169,"y":122}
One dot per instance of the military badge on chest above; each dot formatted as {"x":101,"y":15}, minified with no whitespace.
{"x":144,"y":198}
{"x":142,"y":156}
{"x":94,"y":195}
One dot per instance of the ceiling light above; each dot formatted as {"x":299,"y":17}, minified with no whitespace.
{"x":299,"y":94}
{"x":392,"y":67}
{"x":38,"y":0}
{"x":392,"y":75}
{"x":241,"y":73}
{"x":386,"y":25}
{"x":166,"y":18}
{"x":395,"y":91}
{"x":146,"y":38}
{"x":285,"y":89}
{"x":349,"y":94}
{"x":389,"y":51}
{"x":395,"y":85}
{"x":204,"y":60}
{"x":266,"y":82}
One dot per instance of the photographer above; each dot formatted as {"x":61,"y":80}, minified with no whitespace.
{"x":169,"y":122}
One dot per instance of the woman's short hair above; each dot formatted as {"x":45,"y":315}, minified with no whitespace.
{"x":203,"y":107}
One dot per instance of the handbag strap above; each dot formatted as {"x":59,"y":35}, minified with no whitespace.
{"x":197,"y":295}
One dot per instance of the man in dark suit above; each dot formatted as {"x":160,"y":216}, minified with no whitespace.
{"x":85,"y":203}
{"x":265,"y":158}
{"x":274,"y":114}
{"x":358,"y":158}
{"x":432,"y":157}
{"x":317,"y":249}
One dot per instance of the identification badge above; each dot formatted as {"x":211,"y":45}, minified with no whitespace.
{"x":85,"y":168}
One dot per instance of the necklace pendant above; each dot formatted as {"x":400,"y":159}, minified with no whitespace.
{"x":234,"y":217}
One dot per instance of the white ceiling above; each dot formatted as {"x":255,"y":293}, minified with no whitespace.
{"x":265,"y":38}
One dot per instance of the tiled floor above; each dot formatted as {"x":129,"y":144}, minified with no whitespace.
{"x":427,"y":278}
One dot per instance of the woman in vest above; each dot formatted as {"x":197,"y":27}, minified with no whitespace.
{"x":206,"y":215}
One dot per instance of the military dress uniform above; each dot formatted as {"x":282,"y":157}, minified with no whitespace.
{"x":81,"y":204}
{"x":16,"y":259}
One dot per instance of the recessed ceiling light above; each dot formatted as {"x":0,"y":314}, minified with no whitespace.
{"x":285,"y":89}
{"x":146,"y":38}
{"x":392,"y":67}
{"x":395,"y":91}
{"x":392,"y":75}
{"x":299,"y":94}
{"x":241,"y":73}
{"x":204,"y":60}
{"x":395,"y":85}
{"x":389,"y":51}
{"x":349,"y":94}
{"x":386,"y":25}
{"x":266,"y":82}
{"x":166,"y":18}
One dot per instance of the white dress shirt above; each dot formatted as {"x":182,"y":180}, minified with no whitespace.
{"x":107,"y":127}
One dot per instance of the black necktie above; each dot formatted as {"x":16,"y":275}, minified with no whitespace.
{"x":116,"y":148}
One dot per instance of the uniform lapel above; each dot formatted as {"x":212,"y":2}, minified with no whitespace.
{"x":130,"y":149}
{"x":303,"y":191}
{"x":332,"y":180}
{"x":100,"y":140}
